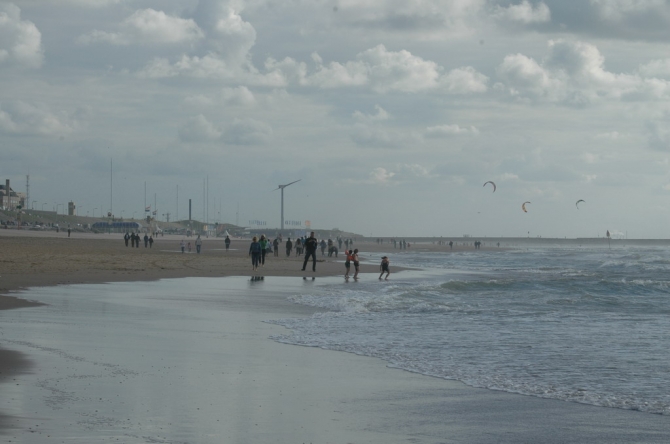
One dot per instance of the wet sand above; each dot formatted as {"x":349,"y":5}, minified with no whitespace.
{"x":190,"y":360}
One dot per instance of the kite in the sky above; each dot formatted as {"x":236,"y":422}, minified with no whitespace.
{"x":523,"y":207}
{"x":577,"y":203}
{"x":494,"y":185}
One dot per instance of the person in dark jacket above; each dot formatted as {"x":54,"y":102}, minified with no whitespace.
{"x":255,"y":252}
{"x":310,"y":245}
{"x":289,"y":247}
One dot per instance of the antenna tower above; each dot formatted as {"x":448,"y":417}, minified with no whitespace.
{"x":28,"y":191}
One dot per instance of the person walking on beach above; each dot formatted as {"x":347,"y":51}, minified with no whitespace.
{"x":264,"y":247}
{"x":198,"y":244}
{"x":68,"y":232}
{"x":146,"y":240}
{"x":298,"y":247}
{"x":323,"y":247}
{"x":255,"y":253}
{"x":356,"y":263}
{"x":275,"y":246}
{"x":182,"y":245}
{"x":384,"y":267}
{"x":126,"y":238}
{"x":289,"y":247}
{"x":347,"y":262}
{"x":151,"y":241}
{"x":227,"y":242}
{"x":189,"y":247}
{"x":311,"y":244}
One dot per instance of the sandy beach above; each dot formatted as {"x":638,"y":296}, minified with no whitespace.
{"x":176,"y":349}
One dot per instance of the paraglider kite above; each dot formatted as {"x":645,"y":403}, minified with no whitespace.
{"x":577,"y":203}
{"x":523,"y":207}
{"x":494,"y":185}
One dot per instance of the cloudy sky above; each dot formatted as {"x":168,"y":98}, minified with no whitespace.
{"x":393,"y":113}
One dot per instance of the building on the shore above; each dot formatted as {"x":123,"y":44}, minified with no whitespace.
{"x":12,"y":199}
{"x":71,"y":209}
{"x":117,"y":227}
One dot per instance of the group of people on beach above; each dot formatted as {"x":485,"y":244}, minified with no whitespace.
{"x":259,"y":247}
{"x":135,"y":239}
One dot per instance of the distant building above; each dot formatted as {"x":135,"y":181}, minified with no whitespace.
{"x":11,"y":200}
{"x":117,"y":227}
{"x":71,"y":209}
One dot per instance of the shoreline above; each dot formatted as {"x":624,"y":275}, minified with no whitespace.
{"x":42,"y":259}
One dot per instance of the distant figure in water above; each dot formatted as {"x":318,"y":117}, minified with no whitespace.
{"x":227,"y":241}
{"x":384,"y":267}
{"x":451,"y":245}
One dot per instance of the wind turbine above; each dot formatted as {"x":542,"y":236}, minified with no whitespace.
{"x":281,"y":187}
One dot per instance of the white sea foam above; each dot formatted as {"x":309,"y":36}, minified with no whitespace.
{"x":583,"y":326}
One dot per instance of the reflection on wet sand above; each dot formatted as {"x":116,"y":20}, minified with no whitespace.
{"x":12,"y":364}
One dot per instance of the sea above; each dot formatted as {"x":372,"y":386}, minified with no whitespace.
{"x":581,"y":324}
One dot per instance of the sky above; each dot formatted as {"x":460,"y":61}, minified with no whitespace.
{"x":392,"y":113}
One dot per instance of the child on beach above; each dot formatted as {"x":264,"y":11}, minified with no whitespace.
{"x":384,"y":267}
{"x":347,"y":263}
{"x":356,"y":263}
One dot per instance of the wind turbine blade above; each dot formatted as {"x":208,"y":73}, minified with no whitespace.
{"x":292,"y":182}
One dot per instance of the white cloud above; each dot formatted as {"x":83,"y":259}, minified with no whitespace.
{"x":247,"y":132}
{"x":465,"y":80}
{"x":574,"y":73}
{"x":232,"y":36}
{"x":372,"y":135}
{"x":238,"y":96}
{"x":441,"y":131}
{"x":198,"y":129}
{"x":524,"y":12}
{"x":617,"y":10}
{"x":522,"y":75}
{"x":402,"y":173}
{"x":23,"y":118}
{"x":208,"y":66}
{"x":656,"y":68}
{"x":380,"y":176}
{"x":379,"y":116}
{"x":211,"y":66}
{"x":383,"y":71}
{"x":20,"y":40}
{"x":508,"y":176}
{"x":148,"y":26}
